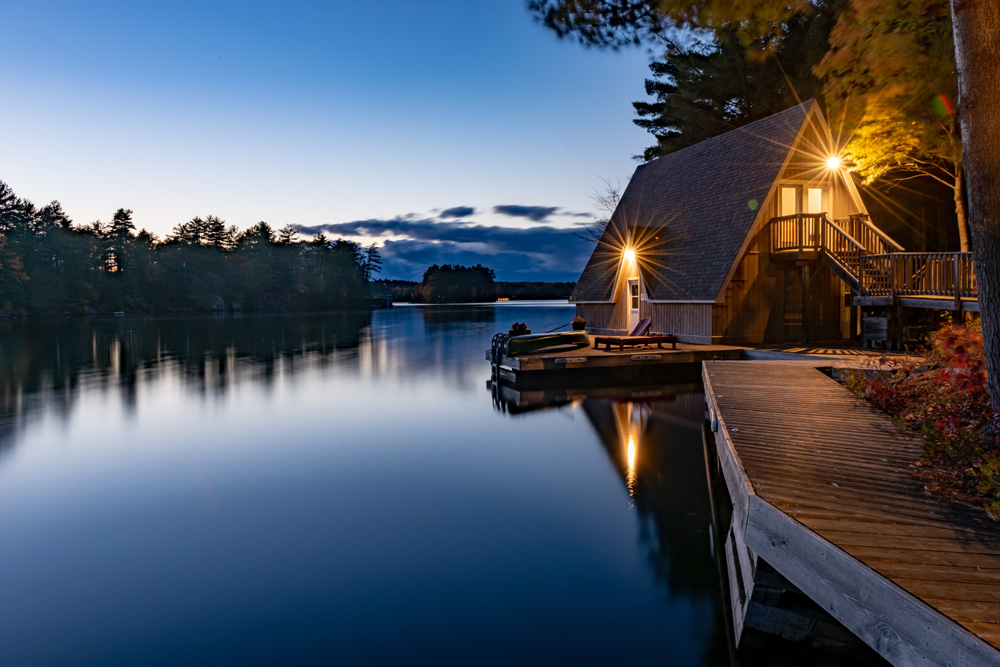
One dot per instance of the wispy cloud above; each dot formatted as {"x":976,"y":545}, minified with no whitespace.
{"x":457,"y":212}
{"x":535,"y":213}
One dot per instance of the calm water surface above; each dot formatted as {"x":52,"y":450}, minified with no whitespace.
{"x":340,"y":489}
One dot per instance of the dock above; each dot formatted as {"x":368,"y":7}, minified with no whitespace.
{"x":821,"y":490}
{"x":627,"y":363}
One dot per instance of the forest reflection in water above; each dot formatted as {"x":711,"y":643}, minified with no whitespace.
{"x":46,"y":364}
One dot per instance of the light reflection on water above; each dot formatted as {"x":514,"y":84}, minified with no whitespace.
{"x":339,"y":488}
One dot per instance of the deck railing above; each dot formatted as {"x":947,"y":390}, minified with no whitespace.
{"x":932,"y":274}
{"x":797,"y":232}
{"x":873,"y":261}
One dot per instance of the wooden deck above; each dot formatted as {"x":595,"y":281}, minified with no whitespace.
{"x":633,"y":358}
{"x":821,"y":490}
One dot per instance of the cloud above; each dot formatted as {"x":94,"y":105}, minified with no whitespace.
{"x":535,"y":253}
{"x":457,"y":212}
{"x":535,"y":213}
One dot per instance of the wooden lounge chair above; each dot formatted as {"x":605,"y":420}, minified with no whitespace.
{"x":639,"y":336}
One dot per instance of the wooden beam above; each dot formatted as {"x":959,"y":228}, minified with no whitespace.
{"x":901,"y":628}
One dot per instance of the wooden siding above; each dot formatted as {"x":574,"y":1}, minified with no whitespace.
{"x":609,"y":316}
{"x":690,"y":322}
{"x":763,"y":301}
{"x":597,"y":315}
{"x":619,"y":320}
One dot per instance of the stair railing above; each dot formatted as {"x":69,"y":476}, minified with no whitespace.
{"x":875,"y":241}
{"x":842,"y":247}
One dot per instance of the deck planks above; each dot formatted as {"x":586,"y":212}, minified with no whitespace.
{"x":841,"y":470}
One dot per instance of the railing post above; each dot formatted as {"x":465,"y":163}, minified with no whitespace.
{"x":800,"y":233}
{"x":958,"y":292}
{"x":892,"y":279}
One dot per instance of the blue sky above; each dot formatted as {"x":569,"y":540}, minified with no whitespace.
{"x":322,"y":114}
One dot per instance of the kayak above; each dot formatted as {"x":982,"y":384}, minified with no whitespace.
{"x":519,"y":345}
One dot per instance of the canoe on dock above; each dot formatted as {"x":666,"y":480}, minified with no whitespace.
{"x":571,"y":340}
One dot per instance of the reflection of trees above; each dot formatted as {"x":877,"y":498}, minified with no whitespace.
{"x":447,"y":315}
{"x":45,"y":364}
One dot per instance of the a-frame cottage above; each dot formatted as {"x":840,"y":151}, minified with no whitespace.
{"x":748,"y":237}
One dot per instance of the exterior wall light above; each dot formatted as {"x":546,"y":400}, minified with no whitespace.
{"x":833,"y":162}
{"x":630,"y":254}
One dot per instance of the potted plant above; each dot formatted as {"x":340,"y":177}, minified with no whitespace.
{"x":579,"y":324}
{"x":519,"y":329}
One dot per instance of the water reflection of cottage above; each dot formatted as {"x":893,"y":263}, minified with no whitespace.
{"x":656,"y":446}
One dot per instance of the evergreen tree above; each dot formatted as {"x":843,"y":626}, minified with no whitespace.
{"x":707,"y":88}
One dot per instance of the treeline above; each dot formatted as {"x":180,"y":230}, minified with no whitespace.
{"x":399,"y":290}
{"x":534,"y":290}
{"x":48,"y":265}
{"x":456,"y":284}
{"x":409,"y":290}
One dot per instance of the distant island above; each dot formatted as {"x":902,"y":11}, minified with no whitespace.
{"x":467,"y":284}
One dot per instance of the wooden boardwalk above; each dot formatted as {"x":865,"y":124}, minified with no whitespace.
{"x":821,"y":490}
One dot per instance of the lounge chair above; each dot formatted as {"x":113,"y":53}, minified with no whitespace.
{"x":639,"y":336}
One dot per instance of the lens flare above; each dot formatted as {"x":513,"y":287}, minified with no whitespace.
{"x":630,"y":254}
{"x":833,"y":162}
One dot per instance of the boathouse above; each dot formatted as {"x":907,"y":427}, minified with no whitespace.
{"x":752,"y":236}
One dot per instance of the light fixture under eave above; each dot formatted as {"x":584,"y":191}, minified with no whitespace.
{"x":630,"y":254}
{"x":833,"y":162}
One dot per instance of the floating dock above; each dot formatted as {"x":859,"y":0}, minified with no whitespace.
{"x":627,"y":363}
{"x":821,"y":491}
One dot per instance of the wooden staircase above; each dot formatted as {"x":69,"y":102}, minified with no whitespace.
{"x":874,"y":266}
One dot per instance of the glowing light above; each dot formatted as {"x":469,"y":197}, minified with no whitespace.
{"x":630,"y":254}
{"x":833,"y":162}
{"x":631,"y":453}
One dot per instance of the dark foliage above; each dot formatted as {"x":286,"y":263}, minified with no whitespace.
{"x":399,"y":290}
{"x":50,"y":266}
{"x":457,"y":284}
{"x":704,"y":89}
{"x":407,"y":290}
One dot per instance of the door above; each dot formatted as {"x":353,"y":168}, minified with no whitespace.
{"x":814,"y":204}
{"x":796,"y":199}
{"x":633,"y":303}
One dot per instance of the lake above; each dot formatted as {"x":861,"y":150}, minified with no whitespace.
{"x":341,"y":489}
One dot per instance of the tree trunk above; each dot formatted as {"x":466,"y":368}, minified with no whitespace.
{"x":976,"y":25}
{"x":963,"y":225}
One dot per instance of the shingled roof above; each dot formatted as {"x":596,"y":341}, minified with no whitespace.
{"x":688,"y":212}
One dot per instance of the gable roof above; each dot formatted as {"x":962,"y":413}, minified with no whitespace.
{"x":689,"y":212}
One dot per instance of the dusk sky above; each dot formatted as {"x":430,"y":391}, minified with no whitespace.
{"x":459,"y":132}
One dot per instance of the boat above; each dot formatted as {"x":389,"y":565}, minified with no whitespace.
{"x":518,"y":345}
